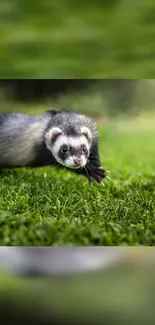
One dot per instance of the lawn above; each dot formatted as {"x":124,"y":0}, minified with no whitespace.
{"x":51,"y":207}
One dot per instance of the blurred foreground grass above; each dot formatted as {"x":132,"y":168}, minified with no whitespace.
{"x":66,"y":39}
{"x":124,"y":293}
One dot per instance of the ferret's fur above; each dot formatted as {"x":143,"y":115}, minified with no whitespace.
{"x":35,"y":141}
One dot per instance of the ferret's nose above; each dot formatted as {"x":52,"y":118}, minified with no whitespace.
{"x":77,"y":161}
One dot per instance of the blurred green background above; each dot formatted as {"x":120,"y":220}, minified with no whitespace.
{"x":77,"y":39}
{"x":98,"y":98}
{"x":121,"y":294}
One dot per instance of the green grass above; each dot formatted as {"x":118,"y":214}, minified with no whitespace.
{"x":50,"y":207}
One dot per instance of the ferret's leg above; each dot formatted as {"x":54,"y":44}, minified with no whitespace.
{"x":94,"y":165}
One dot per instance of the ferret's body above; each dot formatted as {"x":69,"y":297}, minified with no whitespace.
{"x":22,"y":140}
{"x":54,"y":138}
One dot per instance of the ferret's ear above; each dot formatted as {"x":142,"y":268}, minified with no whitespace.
{"x":86,"y":132}
{"x":53,"y":134}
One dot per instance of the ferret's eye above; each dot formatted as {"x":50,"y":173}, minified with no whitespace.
{"x":64,"y":149}
{"x":84,"y":149}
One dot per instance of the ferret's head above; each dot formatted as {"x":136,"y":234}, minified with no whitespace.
{"x":71,"y":149}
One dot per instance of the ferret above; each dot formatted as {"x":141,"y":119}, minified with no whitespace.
{"x":58,"y":138}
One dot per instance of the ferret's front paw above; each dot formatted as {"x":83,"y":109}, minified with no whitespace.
{"x":97,"y":174}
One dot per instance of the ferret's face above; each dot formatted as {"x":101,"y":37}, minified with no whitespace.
{"x":69,"y":151}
